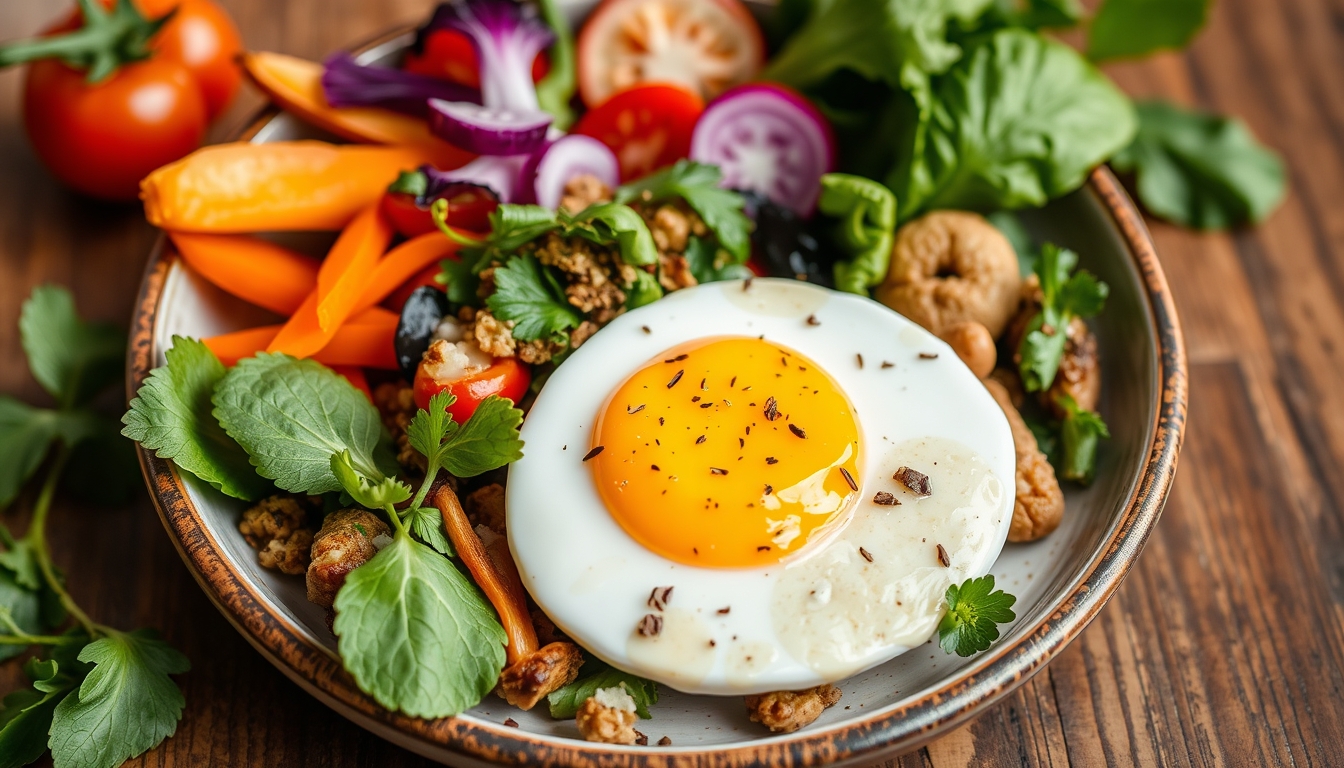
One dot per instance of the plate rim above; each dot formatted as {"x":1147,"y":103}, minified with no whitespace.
{"x":899,"y":729}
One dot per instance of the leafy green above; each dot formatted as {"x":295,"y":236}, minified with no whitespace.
{"x":1128,"y":28}
{"x":1079,"y":434}
{"x":172,"y":415}
{"x":24,"y":605}
{"x":414,"y":183}
{"x":529,"y":294}
{"x":1064,"y":296}
{"x":1011,"y":226}
{"x":71,"y":359}
{"x":292,"y":415}
{"x":645,"y":290}
{"x":125,"y":705}
{"x":710,"y":263}
{"x":25,"y":434}
{"x":487,"y":441}
{"x":426,"y":523}
{"x":866,"y":230}
{"x":374,"y":494}
{"x":974,"y":611}
{"x":416,"y":634}
{"x":607,"y":223}
{"x":1032,"y":14}
{"x":1018,"y":121}
{"x":565,"y":702}
{"x":698,"y":185}
{"x":556,"y":89}
{"x":26,"y":716}
{"x":1200,"y":170}
{"x":462,"y":280}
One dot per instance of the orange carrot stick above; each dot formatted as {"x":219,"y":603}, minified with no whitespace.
{"x":365,"y":341}
{"x":404,"y":262}
{"x":342,"y":277}
{"x":356,"y":377}
{"x":282,"y":186}
{"x":239,"y":345}
{"x":254,"y":270}
{"x":296,"y":85}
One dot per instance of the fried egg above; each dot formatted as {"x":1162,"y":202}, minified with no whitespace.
{"x":709,"y":497}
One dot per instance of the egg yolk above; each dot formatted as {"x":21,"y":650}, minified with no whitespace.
{"x":727,"y":453}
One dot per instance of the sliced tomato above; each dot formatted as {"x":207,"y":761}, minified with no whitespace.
{"x":708,"y":46}
{"x":648,"y":127}
{"x":450,"y":55}
{"x":468,"y":209}
{"x":506,"y":377}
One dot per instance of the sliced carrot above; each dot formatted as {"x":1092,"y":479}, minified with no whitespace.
{"x":365,"y":341}
{"x":283,"y":186}
{"x":402,"y":263}
{"x":356,"y":377}
{"x":343,"y":275}
{"x":254,"y":270}
{"x":296,"y":85}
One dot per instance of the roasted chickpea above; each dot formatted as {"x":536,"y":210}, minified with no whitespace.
{"x":974,"y":345}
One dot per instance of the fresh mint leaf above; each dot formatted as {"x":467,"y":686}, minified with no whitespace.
{"x":71,"y":359}
{"x":292,"y":415}
{"x":1079,"y":434}
{"x":416,"y":634}
{"x":25,"y":434}
{"x":709,"y":263}
{"x":172,"y":415}
{"x":24,"y":605}
{"x":487,"y":441}
{"x":370,"y":493}
{"x":1200,"y":170}
{"x":126,"y":704}
{"x":607,"y":223}
{"x":645,"y":290}
{"x":1019,"y":120}
{"x":1129,"y":28}
{"x":974,"y":611}
{"x":698,"y":185}
{"x":26,"y":714}
{"x":565,"y":702}
{"x":865,"y":231}
{"x":527,"y":293}
{"x":427,"y":525}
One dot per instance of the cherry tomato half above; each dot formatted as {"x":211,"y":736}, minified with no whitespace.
{"x":648,"y":127}
{"x":708,"y":46}
{"x":450,"y":55}
{"x":469,"y":209}
{"x":507,"y":377}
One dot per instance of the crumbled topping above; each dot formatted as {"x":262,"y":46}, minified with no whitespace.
{"x":787,"y":711}
{"x":917,"y":482}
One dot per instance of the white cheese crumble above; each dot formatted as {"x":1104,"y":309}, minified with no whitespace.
{"x":615,"y":697}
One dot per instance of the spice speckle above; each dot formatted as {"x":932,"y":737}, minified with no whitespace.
{"x":650,"y":625}
{"x":798,"y":431}
{"x":853,"y":486}
{"x":886,"y":499}
{"x":594,"y":452}
{"x":660,"y":597}
{"x":865,"y":554}
{"x":943,"y":559}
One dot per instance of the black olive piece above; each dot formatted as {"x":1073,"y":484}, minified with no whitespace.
{"x":783,"y":241}
{"x":421,"y":316}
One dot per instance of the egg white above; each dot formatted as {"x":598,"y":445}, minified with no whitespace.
{"x":830,"y":612}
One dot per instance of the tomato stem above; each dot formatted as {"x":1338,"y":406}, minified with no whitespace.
{"x":107,"y":40}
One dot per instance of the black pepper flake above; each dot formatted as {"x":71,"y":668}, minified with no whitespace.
{"x":593,"y":453}
{"x":917,"y":482}
{"x":746,"y":286}
{"x":769,"y":489}
{"x":865,"y":554}
{"x":645,"y":329}
{"x":650,"y":625}
{"x":887,"y":364}
{"x":762,"y":549}
{"x":695,"y":551}
{"x":641,"y":740}
{"x":510,"y":722}
{"x":771,"y":460}
{"x":660,"y":421}
{"x":703,"y":386}
{"x":812,"y":320}
{"x":724,"y":610}
{"x":784,"y":362}
{"x":660,"y":597}
{"x":860,"y":359}
{"x":929,"y":355}
{"x":655,"y":468}
{"x":676,"y":359}
{"x":712,"y":643}
{"x":700,"y":439}
{"x":676,"y":378}
{"x":666,"y":741}
{"x":741,"y":443}
{"x":886,"y":499}
{"x":706,"y":405}
{"x":695,"y":399}
{"x":943,"y":559}
{"x":717,"y":471}
{"x":771,"y":409}
{"x":853,"y":486}
{"x":798,"y":431}
{"x":733,"y":383}
{"x":636,"y":409}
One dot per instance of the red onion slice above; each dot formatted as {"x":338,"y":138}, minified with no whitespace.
{"x":501,"y":175}
{"x":565,"y":158}
{"x":767,"y":139}
{"x":488,"y":130}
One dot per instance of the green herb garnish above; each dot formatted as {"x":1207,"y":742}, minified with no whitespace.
{"x":565,"y":702}
{"x":528,"y":293}
{"x":1079,"y":434}
{"x":1065,"y":295}
{"x":698,"y":185}
{"x":974,"y":612}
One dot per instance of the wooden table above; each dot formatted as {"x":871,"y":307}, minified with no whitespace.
{"x":1225,"y":646}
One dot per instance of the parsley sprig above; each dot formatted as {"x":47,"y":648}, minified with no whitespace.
{"x":974,"y":612}
{"x":99,"y":695}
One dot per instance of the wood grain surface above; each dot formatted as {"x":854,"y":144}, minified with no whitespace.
{"x":1224,"y":647}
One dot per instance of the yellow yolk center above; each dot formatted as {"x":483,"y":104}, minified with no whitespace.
{"x":727,"y":453}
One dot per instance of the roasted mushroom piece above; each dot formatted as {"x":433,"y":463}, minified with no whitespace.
{"x":787,"y":711}
{"x":1039,"y":505}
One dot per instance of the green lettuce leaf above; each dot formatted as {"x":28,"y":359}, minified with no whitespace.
{"x":1129,"y":28}
{"x":866,"y":230}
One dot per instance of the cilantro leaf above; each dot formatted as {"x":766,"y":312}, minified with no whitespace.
{"x":698,"y":185}
{"x":866,"y":229}
{"x":25,"y":719}
{"x":710,"y":263}
{"x":373,"y":494}
{"x":462,"y":280}
{"x":126,"y":704}
{"x":416,"y":634}
{"x":1064,"y":296}
{"x":605,"y":223}
{"x":974,"y":611}
{"x":1200,"y":170}
{"x":645,"y":290}
{"x":487,"y":441}
{"x":565,"y":702}
{"x":292,"y":415}
{"x":71,"y":359}
{"x":527,"y":293}
{"x":1128,"y":28}
{"x":427,"y":525}
{"x":172,"y":415}
{"x":1079,"y":434}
